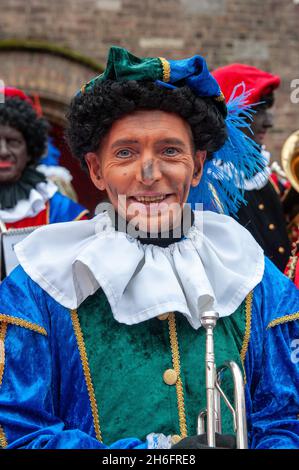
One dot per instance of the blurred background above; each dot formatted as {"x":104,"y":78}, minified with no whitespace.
{"x":50,"y":49}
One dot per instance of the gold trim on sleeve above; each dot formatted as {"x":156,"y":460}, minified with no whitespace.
{"x":3,"y":328}
{"x":3,"y":440}
{"x":87,"y":374}
{"x":248,"y":313}
{"x":166,"y":69}
{"x":176,"y":365}
{"x":284,"y":319}
{"x":23,"y":323}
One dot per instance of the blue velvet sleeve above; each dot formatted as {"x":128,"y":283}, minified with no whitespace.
{"x":28,"y":396}
{"x":272,"y":364}
{"x":63,"y":209}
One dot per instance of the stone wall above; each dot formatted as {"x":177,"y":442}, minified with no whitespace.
{"x":263,"y":33}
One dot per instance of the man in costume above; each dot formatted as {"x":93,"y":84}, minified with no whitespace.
{"x":50,"y":166}
{"x":110,"y":319}
{"x":263,"y":214}
{"x":27,"y":199}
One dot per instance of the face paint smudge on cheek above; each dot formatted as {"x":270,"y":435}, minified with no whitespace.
{"x":147,"y":171}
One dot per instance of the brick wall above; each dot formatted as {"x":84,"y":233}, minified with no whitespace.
{"x":263,"y":33}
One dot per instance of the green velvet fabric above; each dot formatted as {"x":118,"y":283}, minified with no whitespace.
{"x":122,"y":65}
{"x":127,"y":365}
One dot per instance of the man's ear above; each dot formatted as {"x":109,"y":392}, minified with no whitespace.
{"x":199,"y":159}
{"x":94,"y":167}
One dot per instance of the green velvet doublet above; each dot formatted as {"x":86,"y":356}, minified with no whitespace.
{"x":127,"y":364}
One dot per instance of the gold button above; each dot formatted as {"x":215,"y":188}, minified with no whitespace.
{"x":261,"y":207}
{"x":170,"y":377}
{"x":175,"y":439}
{"x":164,"y":316}
{"x":281,"y":249}
{"x":271,"y":226}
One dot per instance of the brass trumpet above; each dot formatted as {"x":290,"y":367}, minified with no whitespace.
{"x":211,"y":416}
{"x":290,"y":159}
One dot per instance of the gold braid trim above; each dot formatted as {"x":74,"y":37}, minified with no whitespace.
{"x":285,"y":319}
{"x":3,"y":440}
{"x":3,"y":329}
{"x":23,"y":323}
{"x":81,"y":215}
{"x":220,"y":98}
{"x":248,"y":311}
{"x":87,"y":375}
{"x":176,"y":365}
{"x":166,"y":69}
{"x":293,"y":260}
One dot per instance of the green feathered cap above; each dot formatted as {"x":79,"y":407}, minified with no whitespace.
{"x":239,"y":153}
{"x":192,"y":72}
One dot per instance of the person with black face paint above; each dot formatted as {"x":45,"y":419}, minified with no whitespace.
{"x":27,"y":199}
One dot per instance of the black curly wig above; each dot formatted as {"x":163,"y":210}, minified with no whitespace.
{"x":20,"y":115}
{"x":92,"y":113}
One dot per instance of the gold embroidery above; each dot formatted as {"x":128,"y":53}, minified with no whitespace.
{"x":248,"y":309}
{"x":3,"y":440}
{"x":176,"y":365}
{"x":221,"y":97}
{"x":166,"y":69}
{"x":81,"y":215}
{"x":3,"y":329}
{"x":23,"y":323}
{"x":292,"y":263}
{"x":284,"y":319}
{"x":87,"y":375}
{"x":293,"y":260}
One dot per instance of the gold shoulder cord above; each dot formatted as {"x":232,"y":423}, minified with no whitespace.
{"x":176,"y":365}
{"x":23,"y":323}
{"x":284,"y":319}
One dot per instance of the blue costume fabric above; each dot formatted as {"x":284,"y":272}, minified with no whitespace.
{"x":64,"y":209}
{"x":44,"y":397}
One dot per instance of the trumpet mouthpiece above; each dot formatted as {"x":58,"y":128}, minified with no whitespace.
{"x":209,"y":319}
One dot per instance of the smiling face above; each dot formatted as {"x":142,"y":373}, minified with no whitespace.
{"x":13,"y":154}
{"x":148,"y":157}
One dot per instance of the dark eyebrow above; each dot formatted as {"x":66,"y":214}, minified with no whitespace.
{"x":121,"y":142}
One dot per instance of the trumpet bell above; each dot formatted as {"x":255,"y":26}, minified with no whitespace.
{"x":290,"y":159}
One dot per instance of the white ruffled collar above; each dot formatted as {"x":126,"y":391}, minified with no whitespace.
{"x":33,"y":205}
{"x":213,"y":268}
